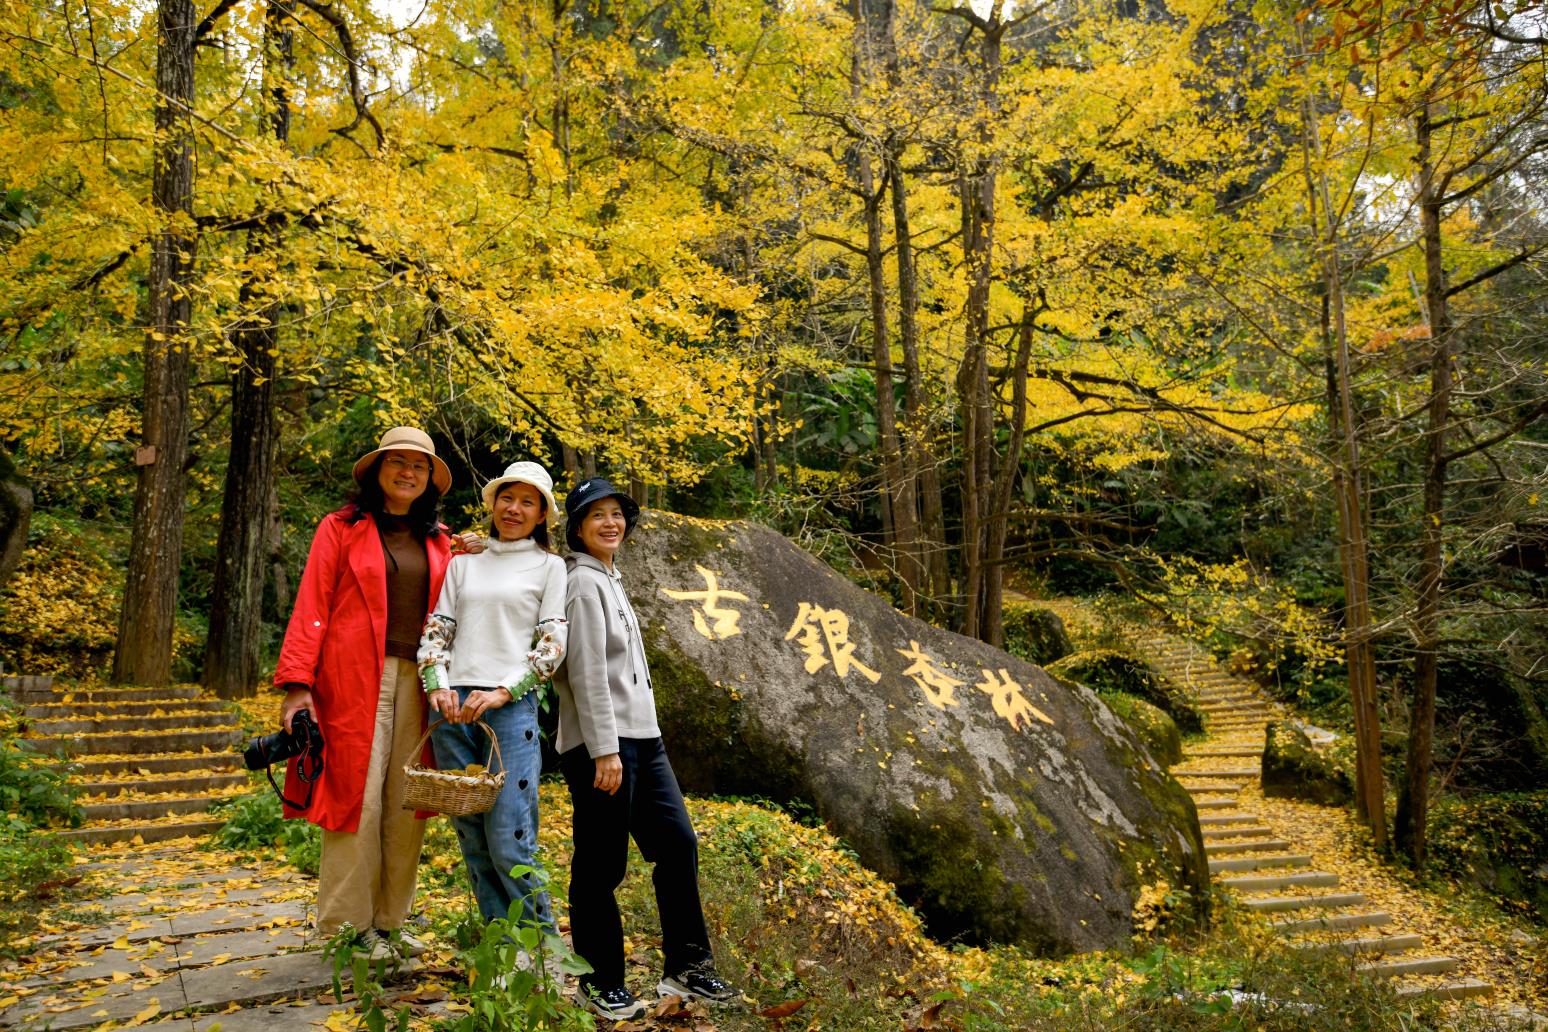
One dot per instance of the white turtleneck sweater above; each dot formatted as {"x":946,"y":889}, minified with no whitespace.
{"x":497,"y":598}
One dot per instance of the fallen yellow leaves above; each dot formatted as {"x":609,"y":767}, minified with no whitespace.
{"x":145,"y":1015}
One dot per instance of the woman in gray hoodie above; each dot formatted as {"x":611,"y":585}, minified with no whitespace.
{"x":616,"y":767}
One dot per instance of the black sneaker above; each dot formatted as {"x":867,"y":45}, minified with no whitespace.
{"x":615,"y":1003}
{"x":698,"y":983}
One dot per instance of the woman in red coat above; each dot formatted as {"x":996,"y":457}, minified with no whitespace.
{"x":348,"y":657}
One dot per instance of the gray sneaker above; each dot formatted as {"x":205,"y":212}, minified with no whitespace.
{"x":698,"y":983}
{"x":615,"y":1003}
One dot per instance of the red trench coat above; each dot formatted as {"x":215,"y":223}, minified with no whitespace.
{"x":335,"y":643}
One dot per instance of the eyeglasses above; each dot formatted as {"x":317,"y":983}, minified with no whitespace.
{"x":412,"y":465}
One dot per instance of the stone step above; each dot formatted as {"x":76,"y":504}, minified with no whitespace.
{"x":1331,"y":923}
{"x":1216,"y":834}
{"x":1462,"y":989}
{"x":131,"y":809}
{"x":170,"y":741}
{"x":88,"y":710}
{"x":1327,"y":901}
{"x":148,"y":832}
{"x":1212,"y":786}
{"x":1385,"y":944}
{"x":1224,"y":775}
{"x":26,"y":688}
{"x":131,"y":765}
{"x":243,"y":983}
{"x":1245,"y":846}
{"x":1224,"y":751}
{"x":1215,"y":820}
{"x":200,"y":781}
{"x":1408,"y":966}
{"x":128,"y":694}
{"x":1270,"y":882}
{"x":87,"y":725}
{"x":1259,"y":863}
{"x":1214,"y":804}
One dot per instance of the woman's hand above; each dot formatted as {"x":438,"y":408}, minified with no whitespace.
{"x":480,"y":702}
{"x":469,"y":541}
{"x":297,"y":699}
{"x":609,"y":773}
{"x":444,"y":701}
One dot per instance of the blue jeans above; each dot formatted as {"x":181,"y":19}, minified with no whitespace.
{"x":506,"y":836}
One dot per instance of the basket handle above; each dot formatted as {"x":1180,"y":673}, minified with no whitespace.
{"x":494,"y":745}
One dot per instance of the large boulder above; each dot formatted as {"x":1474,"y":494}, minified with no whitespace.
{"x":1035,"y":634}
{"x":1003,"y":805}
{"x":1294,"y":767}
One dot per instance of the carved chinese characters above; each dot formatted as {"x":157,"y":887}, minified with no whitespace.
{"x":822,"y":635}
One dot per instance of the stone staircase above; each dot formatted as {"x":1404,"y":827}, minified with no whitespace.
{"x":1266,"y":870}
{"x":148,"y":762}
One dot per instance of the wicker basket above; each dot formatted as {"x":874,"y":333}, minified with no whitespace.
{"x":451,"y":791}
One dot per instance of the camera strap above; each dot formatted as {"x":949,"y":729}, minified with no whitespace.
{"x":308,"y":778}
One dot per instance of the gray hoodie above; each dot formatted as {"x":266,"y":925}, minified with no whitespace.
{"x":604,"y":685}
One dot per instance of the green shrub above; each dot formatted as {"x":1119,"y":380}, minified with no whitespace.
{"x":256,"y":822}
{"x":32,"y":867}
{"x":1497,"y":842}
{"x":33,"y":787}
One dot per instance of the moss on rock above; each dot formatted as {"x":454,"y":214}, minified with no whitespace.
{"x":1293,"y":768}
{"x":1035,"y":634}
{"x":1107,"y":670}
{"x":1157,"y":730}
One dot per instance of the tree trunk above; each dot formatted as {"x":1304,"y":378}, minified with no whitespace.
{"x":143,"y":654}
{"x":242,"y":553}
{"x":923,"y":556}
{"x":1414,"y":793}
{"x":15,"y":517}
{"x":976,"y":195}
{"x":1004,"y":485}
{"x":897,"y":521}
{"x":1354,"y":550}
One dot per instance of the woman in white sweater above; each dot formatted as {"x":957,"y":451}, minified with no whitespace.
{"x":480,"y":662}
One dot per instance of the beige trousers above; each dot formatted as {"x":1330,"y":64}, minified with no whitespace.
{"x":366,"y":877}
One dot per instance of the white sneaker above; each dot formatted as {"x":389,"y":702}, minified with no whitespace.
{"x":408,"y":945}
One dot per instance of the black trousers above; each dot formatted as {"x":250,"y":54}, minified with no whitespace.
{"x":649,"y":806}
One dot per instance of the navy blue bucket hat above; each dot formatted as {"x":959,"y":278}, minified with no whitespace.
{"x":583,"y":496}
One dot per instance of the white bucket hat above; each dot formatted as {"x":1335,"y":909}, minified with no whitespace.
{"x":407,"y":438}
{"x":523,"y":473}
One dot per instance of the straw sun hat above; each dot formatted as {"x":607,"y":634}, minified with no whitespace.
{"x":407,"y":438}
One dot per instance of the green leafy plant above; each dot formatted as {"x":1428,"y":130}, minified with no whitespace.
{"x":509,"y":960}
{"x":33,"y":787}
{"x":345,"y":953}
{"x":256,"y":822}
{"x":32,"y":867}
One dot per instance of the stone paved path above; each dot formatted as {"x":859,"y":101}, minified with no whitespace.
{"x":186,"y":929}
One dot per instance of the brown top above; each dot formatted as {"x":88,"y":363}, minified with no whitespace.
{"x":408,"y":585}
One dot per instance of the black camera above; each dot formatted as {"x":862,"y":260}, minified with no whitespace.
{"x":304,"y":739}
